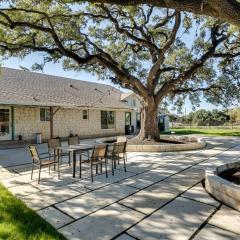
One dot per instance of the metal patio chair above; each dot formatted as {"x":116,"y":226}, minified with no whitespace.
{"x":98,"y":157}
{"x":118,"y":153}
{"x":53,"y":145}
{"x":42,"y":160}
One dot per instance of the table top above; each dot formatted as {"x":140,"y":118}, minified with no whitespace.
{"x":77,"y":147}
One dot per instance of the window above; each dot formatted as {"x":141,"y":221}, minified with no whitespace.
{"x":44,"y":114}
{"x":85,"y":114}
{"x":107,"y":119}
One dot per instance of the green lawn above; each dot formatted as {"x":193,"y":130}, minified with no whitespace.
{"x":207,"y":131}
{"x":18,"y":222}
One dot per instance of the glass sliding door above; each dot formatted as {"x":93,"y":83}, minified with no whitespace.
{"x":5,"y":123}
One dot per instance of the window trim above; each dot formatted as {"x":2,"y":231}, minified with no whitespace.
{"x":46,"y":116}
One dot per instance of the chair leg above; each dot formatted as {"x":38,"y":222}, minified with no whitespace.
{"x":96,"y":168}
{"x":112,"y":166}
{"x":124,"y":161}
{"x":39,"y":174}
{"x":32,"y":172}
{"x":101,"y":167}
{"x":105,"y":167}
{"x":115,"y":165}
{"x":49,"y":169}
{"x":80,"y":166}
{"x":91,"y":172}
{"x":58,"y":165}
{"x":69,"y":159}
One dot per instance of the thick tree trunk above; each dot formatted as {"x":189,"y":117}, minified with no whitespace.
{"x":149,"y":122}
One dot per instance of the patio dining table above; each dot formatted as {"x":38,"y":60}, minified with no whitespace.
{"x":78,"y":148}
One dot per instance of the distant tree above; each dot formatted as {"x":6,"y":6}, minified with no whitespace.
{"x":173,"y":117}
{"x":142,"y":48}
{"x":202,"y":117}
{"x":234,"y":115}
{"x":219,"y":116}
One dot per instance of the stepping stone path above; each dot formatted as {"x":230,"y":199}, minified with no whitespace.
{"x":159,"y":197}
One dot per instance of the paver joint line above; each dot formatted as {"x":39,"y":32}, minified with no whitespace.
{"x":198,"y":201}
{"x":205,"y":222}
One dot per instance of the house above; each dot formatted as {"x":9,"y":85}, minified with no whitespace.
{"x":54,"y":106}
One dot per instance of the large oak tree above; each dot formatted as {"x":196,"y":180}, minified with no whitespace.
{"x":161,"y":54}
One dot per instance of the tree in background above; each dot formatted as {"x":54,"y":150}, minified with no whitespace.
{"x":204,"y":117}
{"x":161,"y":54}
{"x":234,"y":115}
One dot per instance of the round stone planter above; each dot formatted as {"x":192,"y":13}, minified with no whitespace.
{"x":223,"y":190}
{"x":185,"y":143}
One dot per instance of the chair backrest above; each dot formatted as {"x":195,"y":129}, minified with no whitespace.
{"x":99,"y":151}
{"x":53,"y":143}
{"x":34,"y":153}
{"x":121,"y":138}
{"x":119,"y":147}
{"x":73,"y":140}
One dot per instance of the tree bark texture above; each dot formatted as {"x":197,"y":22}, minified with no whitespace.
{"x":149,"y":121}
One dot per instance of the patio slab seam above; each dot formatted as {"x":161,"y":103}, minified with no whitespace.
{"x":205,"y":222}
{"x":195,"y":200}
{"x":223,"y":228}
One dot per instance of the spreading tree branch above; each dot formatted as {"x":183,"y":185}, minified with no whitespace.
{"x":227,"y":10}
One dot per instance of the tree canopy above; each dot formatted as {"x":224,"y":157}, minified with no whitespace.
{"x":227,"y":10}
{"x":160,"y":54}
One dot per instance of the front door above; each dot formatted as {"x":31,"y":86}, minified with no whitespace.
{"x":5,"y":123}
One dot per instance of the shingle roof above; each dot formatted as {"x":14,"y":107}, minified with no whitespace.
{"x":20,"y":87}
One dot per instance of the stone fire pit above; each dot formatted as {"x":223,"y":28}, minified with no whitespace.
{"x":218,"y":183}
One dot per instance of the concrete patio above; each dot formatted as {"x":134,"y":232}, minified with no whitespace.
{"x":159,"y":197}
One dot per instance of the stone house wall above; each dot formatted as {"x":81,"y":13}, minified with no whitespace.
{"x":27,"y":123}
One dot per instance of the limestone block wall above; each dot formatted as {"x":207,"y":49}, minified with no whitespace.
{"x":70,"y":121}
{"x":27,"y":123}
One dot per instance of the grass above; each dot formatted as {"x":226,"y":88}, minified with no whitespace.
{"x":18,"y":222}
{"x":207,"y":131}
